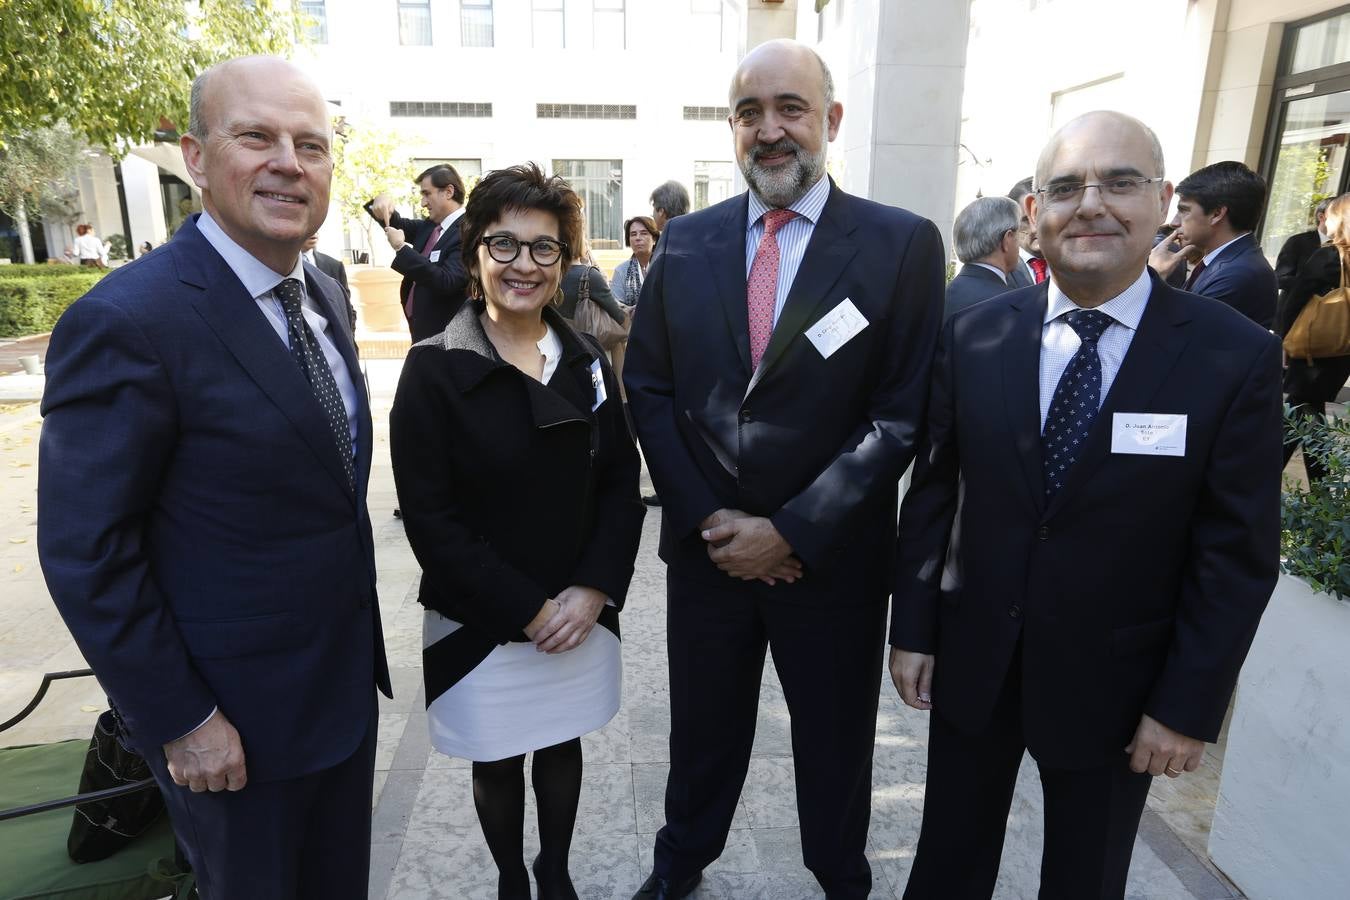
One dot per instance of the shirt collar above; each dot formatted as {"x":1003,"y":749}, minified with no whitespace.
{"x":451,"y":219}
{"x":1002,"y":275}
{"x":1209,"y":257}
{"x":808,"y":205}
{"x":1126,"y":308}
{"x":258,"y":279}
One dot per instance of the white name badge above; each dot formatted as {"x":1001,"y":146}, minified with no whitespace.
{"x":836,"y":328}
{"x":598,"y":382}
{"x":435,"y":256}
{"x":1148,"y":434}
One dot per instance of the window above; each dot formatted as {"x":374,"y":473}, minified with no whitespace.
{"x":599,"y":182}
{"x":414,"y":23}
{"x":475,"y":23}
{"x":709,"y":25}
{"x":608,"y":25}
{"x":316,"y":21}
{"x":438,"y":109}
{"x":549,"y":30}
{"x":706,"y":113}
{"x":585,"y":111}
{"x":1320,"y":44}
{"x":712,"y":183}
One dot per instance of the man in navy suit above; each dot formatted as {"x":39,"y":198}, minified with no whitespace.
{"x":1091,"y":535}
{"x":985,"y":234}
{"x":1218,"y":208}
{"x":427,"y":251}
{"x":203,"y":526}
{"x":777,"y":375}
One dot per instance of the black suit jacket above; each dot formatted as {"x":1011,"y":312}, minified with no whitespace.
{"x":816,"y":444}
{"x":224,"y":560}
{"x":441,"y":285}
{"x":971,"y":285}
{"x":1241,"y":277}
{"x":1293,"y":255}
{"x":1139,"y":586}
{"x":334,"y":269}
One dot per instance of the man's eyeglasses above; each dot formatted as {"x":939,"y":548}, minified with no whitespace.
{"x":1071,"y":192}
{"x":504,"y":249}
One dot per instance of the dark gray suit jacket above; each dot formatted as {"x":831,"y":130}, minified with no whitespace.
{"x":971,"y":285}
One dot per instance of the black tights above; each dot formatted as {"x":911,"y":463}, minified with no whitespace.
{"x":499,"y":796}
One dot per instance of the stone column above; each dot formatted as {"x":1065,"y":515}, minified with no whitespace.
{"x":145,"y":202}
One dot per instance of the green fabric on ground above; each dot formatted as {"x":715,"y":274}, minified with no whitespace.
{"x":33,"y":859}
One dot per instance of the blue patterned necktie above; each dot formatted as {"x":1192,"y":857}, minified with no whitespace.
{"x":310,"y":359}
{"x":1075,"y":401}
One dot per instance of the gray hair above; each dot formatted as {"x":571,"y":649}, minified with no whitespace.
{"x":1048,"y":153}
{"x":196,"y":106}
{"x":672,"y":197}
{"x":980,"y":227}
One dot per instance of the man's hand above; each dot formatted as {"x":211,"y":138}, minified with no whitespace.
{"x":749,"y":547}
{"x":395,"y":237}
{"x":913,"y":677}
{"x":578,"y":608}
{"x":1165,"y":261}
{"x":209,"y":759}
{"x":383,"y":208}
{"x":1157,"y":750}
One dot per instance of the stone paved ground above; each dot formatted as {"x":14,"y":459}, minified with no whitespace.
{"x":426,"y":839}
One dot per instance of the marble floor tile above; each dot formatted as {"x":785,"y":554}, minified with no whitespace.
{"x":390,"y":732}
{"x":770,"y":796}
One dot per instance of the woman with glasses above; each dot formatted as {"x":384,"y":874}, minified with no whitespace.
{"x":511,"y":457}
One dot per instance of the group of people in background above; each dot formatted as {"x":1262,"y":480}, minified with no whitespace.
{"x":789,"y":358}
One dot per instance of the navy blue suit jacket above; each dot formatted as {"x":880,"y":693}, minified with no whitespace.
{"x":197,"y":530}
{"x":1139,"y":586}
{"x":1241,"y":277}
{"x":971,"y":285}
{"x":441,"y":285}
{"x":816,"y":444}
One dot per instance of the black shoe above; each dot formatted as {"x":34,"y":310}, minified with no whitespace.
{"x":651,"y":500}
{"x":558,"y":887}
{"x":658,"y":888}
{"x":398,"y":513}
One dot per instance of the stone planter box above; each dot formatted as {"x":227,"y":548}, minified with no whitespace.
{"x":1282,"y":825}
{"x":375,"y":296}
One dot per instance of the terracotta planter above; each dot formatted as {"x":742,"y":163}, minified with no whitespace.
{"x":1279,"y":827}
{"x":375,"y":296}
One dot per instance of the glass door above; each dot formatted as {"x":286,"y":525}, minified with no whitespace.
{"x":1309,"y":164}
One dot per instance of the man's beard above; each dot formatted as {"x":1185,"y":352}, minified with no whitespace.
{"x":782,"y":185}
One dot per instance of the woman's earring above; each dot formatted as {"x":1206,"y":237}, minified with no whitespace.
{"x":558,"y":298}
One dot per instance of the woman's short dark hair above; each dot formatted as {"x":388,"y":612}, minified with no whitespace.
{"x":524,"y":187}
{"x":646,"y":222}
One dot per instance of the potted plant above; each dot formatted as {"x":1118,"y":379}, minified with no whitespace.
{"x":1278,"y":827}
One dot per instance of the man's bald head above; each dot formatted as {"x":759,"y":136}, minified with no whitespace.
{"x":1103,"y":118}
{"x":782,"y":52}
{"x":199,"y":124}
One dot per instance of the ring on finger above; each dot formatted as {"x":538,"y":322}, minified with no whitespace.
{"x":1171,"y":771}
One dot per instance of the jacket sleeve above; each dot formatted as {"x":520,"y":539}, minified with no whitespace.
{"x":602,"y":295}
{"x":397,"y":220}
{"x":446,"y":278}
{"x":1245,"y":289}
{"x":874,"y":457}
{"x":492,"y":596}
{"x":607,"y":562}
{"x":109,"y":431}
{"x":928,"y":513}
{"x":1287,"y":263}
{"x":1234,"y":558}
{"x":1320,"y":273}
{"x":648,"y":375}
{"x":616,"y":286}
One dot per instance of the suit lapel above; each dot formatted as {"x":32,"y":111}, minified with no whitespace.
{"x":1153,"y":353}
{"x":233,"y":315}
{"x":829,"y":251}
{"x":725,"y":250}
{"x":1022,"y":387}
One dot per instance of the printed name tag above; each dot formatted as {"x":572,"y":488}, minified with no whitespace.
{"x":1148,"y":434}
{"x":836,"y":328}
{"x":598,"y":382}
{"x":435,"y":256}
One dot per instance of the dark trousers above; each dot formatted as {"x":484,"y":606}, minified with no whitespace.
{"x":306,"y":837}
{"x":1310,"y":386}
{"x":1091,"y":816}
{"x":829,"y":663}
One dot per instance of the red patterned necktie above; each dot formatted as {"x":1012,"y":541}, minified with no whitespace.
{"x":761,"y":292}
{"x":1038,"y":267}
{"x":426,"y":251}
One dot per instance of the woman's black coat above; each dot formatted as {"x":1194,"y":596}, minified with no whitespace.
{"x":1322,"y":379}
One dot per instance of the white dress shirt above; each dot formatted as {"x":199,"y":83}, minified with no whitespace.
{"x":1002,"y":275}
{"x":259,"y":281}
{"x":1209,"y":257}
{"x":1059,"y":342}
{"x":792,"y":237}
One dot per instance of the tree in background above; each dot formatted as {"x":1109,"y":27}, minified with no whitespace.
{"x":369,"y":161}
{"x":36,"y":169}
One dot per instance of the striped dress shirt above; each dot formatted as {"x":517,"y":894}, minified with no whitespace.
{"x":792,"y":237}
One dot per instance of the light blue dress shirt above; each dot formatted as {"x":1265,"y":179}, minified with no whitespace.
{"x":792,"y":237}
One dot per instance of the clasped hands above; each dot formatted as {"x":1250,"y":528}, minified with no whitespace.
{"x":383,"y":208}
{"x":749,"y":547}
{"x":564,"y":622}
{"x":1156,"y":749}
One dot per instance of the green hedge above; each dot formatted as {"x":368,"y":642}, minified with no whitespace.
{"x":31,"y":304}
{"x":47,"y":271}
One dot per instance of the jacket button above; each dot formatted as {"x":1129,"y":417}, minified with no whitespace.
{"x":745,"y":415}
{"x":1015,"y":611}
{"x":1043,"y":533}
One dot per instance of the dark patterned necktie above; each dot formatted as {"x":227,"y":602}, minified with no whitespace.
{"x":1075,"y":401}
{"x":310,"y":359}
